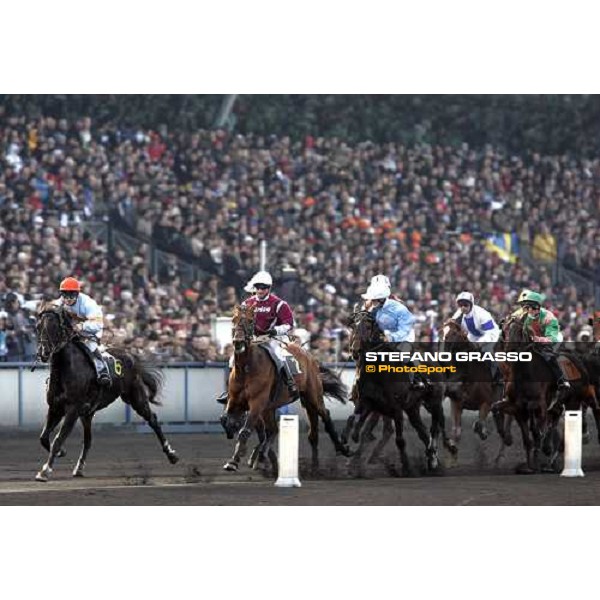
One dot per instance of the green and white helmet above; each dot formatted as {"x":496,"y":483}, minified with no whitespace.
{"x":523,"y":295}
{"x":533,"y":299}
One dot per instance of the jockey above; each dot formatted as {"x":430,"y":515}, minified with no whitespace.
{"x":544,"y":329}
{"x":392,"y":317}
{"x":273,"y":318}
{"x":90,"y":329}
{"x":480,"y":327}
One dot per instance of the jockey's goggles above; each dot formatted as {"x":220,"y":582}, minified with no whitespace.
{"x":531,"y":306}
{"x":261,"y":286}
{"x":464,"y":303}
{"x":69,"y":295}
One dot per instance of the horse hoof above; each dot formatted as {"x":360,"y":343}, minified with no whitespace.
{"x":78,"y":473}
{"x":173,"y":457}
{"x":524,"y":469}
{"x":550,"y":469}
{"x":345,"y":450}
{"x":230,"y":466}
{"x":41,"y":477}
{"x":61,"y":453}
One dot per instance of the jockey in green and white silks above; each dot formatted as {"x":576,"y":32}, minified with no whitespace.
{"x":480,"y":327}
{"x":90,"y":330}
{"x":544,"y":329}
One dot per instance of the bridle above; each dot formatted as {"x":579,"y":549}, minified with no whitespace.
{"x":44,"y":342}
{"x":356,"y":320}
{"x":243,"y":329}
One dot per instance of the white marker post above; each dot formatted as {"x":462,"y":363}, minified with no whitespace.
{"x":288,"y":452}
{"x":572,"y":466}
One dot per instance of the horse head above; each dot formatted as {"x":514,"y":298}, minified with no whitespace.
{"x":514,"y":331}
{"x":243,"y":328}
{"x":365,"y":332}
{"x":54,"y":330}
{"x":452,"y":334}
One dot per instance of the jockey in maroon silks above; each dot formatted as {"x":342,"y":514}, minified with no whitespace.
{"x":273,"y":318}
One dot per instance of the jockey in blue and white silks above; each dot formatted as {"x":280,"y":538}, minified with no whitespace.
{"x":392,"y":317}
{"x":480,"y":327}
{"x":478,"y":323}
{"x":90,"y":330}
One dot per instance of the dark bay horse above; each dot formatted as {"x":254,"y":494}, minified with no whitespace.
{"x":533,"y":400}
{"x":73,"y":392}
{"x":388,"y":395}
{"x":431,"y":398}
{"x":255,"y":393}
{"x":473,"y":389}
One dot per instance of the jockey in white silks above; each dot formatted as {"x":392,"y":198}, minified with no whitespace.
{"x":479,"y":325}
{"x":92,"y":325}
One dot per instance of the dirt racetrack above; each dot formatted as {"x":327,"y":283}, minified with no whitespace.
{"x":128,"y":468}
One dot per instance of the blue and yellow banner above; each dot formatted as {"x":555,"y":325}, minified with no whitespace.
{"x":505,"y":245}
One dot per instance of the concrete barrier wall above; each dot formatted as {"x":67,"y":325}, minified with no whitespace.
{"x":188,"y":397}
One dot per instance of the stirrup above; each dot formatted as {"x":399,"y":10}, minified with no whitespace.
{"x":563,"y":384}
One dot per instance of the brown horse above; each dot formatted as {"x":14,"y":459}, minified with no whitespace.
{"x":255,"y":393}
{"x":474,"y":389}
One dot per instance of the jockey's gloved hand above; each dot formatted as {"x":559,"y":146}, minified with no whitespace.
{"x":271,"y":332}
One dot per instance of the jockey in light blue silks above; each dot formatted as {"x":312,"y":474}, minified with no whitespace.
{"x":480,"y":327}
{"x":392,"y":317}
{"x":90,"y":329}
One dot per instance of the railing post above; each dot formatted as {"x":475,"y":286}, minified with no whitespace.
{"x":20,"y":397}
{"x":186,"y":399}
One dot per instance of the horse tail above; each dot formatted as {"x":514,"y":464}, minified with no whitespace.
{"x":153,"y":379}
{"x":332,"y":385}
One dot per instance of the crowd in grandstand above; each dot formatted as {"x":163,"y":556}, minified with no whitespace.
{"x":333,"y":213}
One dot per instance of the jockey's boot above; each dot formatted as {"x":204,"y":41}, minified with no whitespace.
{"x":291,"y":384}
{"x":102,"y":371}
{"x":415,"y":380}
{"x":561,"y":381}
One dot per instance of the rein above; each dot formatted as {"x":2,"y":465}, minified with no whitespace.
{"x":43,"y":333}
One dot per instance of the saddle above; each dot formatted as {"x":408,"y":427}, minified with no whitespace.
{"x":290,"y":359}
{"x":114,"y":364}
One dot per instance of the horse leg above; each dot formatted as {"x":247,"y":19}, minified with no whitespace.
{"x":64,"y":431}
{"x":524,"y":468}
{"x":401,"y":443}
{"x":313,"y":436}
{"x":241,"y":446}
{"x":386,"y":434}
{"x":139,"y":402}
{"x":348,"y":428}
{"x":414,"y":417}
{"x":86,"y":421}
{"x":259,"y":456}
{"x":271,"y":433}
{"x":479,"y":426}
{"x":260,"y":432}
{"x":585,"y":432}
{"x":55,"y":413}
{"x":358,"y":424}
{"x":456,"y":411}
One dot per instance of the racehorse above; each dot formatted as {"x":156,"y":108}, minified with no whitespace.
{"x":531,"y":398}
{"x":387,"y":394}
{"x":474,"y":389}
{"x":431,"y":398}
{"x":255,"y":393}
{"x":73,"y":392}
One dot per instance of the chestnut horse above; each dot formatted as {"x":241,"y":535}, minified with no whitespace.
{"x":473,"y":389}
{"x":256,"y":392}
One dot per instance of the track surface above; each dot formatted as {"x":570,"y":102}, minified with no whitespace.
{"x":128,"y":468}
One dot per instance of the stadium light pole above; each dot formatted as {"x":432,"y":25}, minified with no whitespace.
{"x":225,"y":110}
{"x":263,"y":255}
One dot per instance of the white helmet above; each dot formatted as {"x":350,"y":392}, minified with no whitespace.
{"x":377,"y":291}
{"x":381,"y":279}
{"x":466,"y":296}
{"x":262,"y":277}
{"x":249,"y":287}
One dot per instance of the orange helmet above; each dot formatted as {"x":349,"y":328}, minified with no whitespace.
{"x":70,"y":284}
